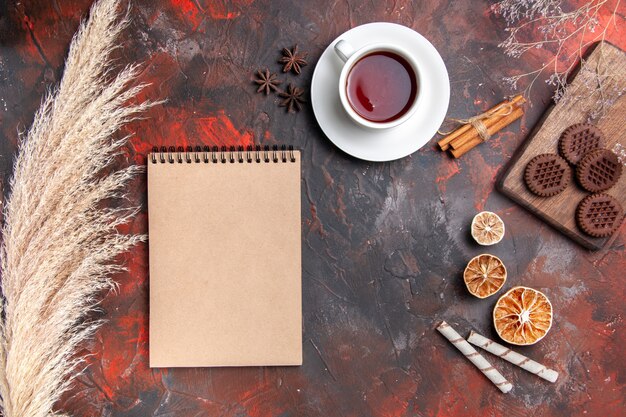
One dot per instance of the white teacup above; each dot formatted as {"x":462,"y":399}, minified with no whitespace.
{"x":349,"y":56}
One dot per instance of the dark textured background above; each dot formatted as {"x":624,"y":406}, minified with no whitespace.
{"x":384,"y":244}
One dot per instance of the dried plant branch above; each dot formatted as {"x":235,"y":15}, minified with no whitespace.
{"x":59,"y":244}
{"x":561,"y":31}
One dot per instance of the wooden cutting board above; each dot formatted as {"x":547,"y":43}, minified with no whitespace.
{"x":559,"y":211}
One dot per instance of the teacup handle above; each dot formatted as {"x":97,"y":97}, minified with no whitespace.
{"x":344,"y":50}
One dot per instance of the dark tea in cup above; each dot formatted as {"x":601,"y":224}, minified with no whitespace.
{"x":381,"y":86}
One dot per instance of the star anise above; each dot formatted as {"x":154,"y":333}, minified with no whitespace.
{"x":292,"y":60}
{"x":267,"y":82}
{"x":292,"y":98}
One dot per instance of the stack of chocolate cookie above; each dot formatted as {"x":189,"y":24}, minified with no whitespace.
{"x":596,"y":170}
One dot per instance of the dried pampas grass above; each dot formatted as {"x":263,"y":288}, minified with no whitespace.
{"x":58,"y":242}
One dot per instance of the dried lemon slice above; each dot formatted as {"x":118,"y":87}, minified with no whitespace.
{"x":484,"y":275}
{"x":522,"y":316}
{"x":487,"y":228}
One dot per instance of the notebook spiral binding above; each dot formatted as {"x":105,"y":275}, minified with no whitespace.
{"x":232,"y":154}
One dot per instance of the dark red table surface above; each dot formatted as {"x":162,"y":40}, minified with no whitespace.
{"x":384,"y":244}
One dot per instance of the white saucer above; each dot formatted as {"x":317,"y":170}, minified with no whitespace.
{"x":388,"y":144}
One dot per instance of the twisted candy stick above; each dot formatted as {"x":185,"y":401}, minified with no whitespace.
{"x":513,"y":357}
{"x":474,"y":357}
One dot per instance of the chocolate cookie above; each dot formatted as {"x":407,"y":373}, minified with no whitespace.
{"x":579,"y":139}
{"x":599,"y":215}
{"x":547,"y":174}
{"x":598,"y":170}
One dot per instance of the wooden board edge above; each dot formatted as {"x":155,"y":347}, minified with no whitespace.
{"x":504,"y":175}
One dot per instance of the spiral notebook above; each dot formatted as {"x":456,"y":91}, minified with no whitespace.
{"x":225,"y":261}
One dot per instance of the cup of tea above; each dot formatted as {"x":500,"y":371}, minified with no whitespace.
{"x":378,"y":85}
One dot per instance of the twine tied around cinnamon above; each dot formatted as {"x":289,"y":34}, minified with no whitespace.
{"x":478,"y":129}
{"x":501,"y":110}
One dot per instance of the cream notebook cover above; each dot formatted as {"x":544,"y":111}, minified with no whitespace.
{"x":225,"y":260}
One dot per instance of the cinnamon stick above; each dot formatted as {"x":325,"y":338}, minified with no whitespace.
{"x":472,"y":133}
{"x":445,"y":142}
{"x":489,"y":122}
{"x":467,"y":130}
{"x":499,"y":125}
